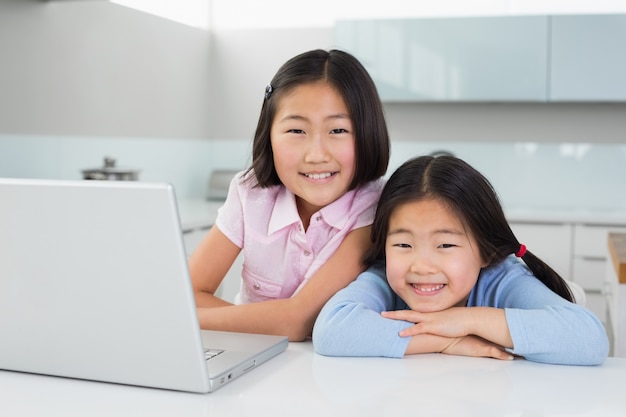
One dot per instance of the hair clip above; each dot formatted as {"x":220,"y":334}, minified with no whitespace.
{"x":268,"y":91}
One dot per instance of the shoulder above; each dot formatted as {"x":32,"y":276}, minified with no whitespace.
{"x":370,"y":191}
{"x":511,"y":284}
{"x":244,"y":184}
{"x":362,"y":203}
{"x":506,"y":270}
{"x":371,"y":287}
{"x":370,"y":283}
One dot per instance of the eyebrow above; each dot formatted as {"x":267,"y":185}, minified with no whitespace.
{"x":331,"y":117}
{"x":435,"y":232}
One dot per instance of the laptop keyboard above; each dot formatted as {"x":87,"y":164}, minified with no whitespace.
{"x":211,"y":353}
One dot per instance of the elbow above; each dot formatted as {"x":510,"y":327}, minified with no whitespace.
{"x":298,"y":324}
{"x":299,"y":335}
{"x":323,"y":342}
{"x":329,"y":335}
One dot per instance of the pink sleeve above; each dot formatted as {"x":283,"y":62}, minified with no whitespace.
{"x":230,"y":216}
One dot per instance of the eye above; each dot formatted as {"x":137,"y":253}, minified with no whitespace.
{"x":401,"y":245}
{"x":296,"y":131}
{"x":338,"y":131}
{"x":446,"y":246}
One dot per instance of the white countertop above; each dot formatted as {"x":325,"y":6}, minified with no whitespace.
{"x":201,"y":213}
{"x":301,"y":383}
{"x":597,"y":216}
{"x":198,"y":213}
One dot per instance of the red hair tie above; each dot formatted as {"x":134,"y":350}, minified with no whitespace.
{"x":522,"y":251}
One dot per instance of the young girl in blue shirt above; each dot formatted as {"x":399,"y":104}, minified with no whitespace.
{"x":446,"y":275}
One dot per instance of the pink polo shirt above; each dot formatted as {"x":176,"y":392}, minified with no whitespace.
{"x":279,"y":256}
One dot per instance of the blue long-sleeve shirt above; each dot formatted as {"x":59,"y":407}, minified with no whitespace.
{"x":543,"y":326}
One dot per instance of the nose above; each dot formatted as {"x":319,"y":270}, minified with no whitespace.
{"x":317,"y":149}
{"x":422,"y":263}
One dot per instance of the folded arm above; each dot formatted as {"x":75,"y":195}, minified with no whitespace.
{"x":351,"y":324}
{"x":293,"y":317}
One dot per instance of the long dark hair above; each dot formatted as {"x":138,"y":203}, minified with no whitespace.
{"x":471,"y":197}
{"x":351,"y":80}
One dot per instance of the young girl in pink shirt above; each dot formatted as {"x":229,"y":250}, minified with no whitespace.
{"x":301,"y":213}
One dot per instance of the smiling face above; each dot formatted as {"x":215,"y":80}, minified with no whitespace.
{"x":432,"y":261}
{"x":313,"y":145}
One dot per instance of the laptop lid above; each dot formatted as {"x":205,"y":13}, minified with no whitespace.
{"x":94,"y":285}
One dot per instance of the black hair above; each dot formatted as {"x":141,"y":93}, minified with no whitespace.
{"x":348,"y":76}
{"x":471,"y":197}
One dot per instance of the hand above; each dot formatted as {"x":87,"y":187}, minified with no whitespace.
{"x":477,"y":347}
{"x":453,"y":322}
{"x":486,"y":322}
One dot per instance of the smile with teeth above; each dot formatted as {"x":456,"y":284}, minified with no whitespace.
{"x":320,"y":176}
{"x":428,"y":287}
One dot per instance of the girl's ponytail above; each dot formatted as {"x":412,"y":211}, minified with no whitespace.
{"x":545,"y":273}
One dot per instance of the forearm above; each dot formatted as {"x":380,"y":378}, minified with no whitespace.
{"x":205,"y":299}
{"x":490,"y":324}
{"x":280,"y":317}
{"x":569,"y":335}
{"x":351,"y":329}
{"x":428,"y":343}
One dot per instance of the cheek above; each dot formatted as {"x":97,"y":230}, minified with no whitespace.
{"x":395,"y":273}
{"x":284,"y":156}
{"x":344,"y":152}
{"x":348,"y":157}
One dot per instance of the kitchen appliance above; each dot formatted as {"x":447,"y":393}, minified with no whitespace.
{"x":111,"y":172}
{"x":219,"y":181}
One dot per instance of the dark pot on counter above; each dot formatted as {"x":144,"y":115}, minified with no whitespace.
{"x":109,"y":172}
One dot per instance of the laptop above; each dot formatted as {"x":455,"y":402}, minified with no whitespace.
{"x":94,"y":284}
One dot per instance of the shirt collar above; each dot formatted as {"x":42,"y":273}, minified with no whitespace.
{"x":285,"y":212}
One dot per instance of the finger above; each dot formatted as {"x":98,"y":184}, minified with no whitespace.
{"x":411,"y":331}
{"x":502,"y":355}
{"x":406,"y":315}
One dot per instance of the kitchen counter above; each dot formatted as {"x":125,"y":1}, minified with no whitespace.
{"x":201,"y":213}
{"x":597,"y":216}
{"x":299,"y":382}
{"x":197,"y":213}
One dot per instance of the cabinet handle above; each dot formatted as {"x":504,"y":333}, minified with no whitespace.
{"x":592,"y":258}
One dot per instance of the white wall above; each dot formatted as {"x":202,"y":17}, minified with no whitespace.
{"x":97,"y":68}
{"x":244,"y":63}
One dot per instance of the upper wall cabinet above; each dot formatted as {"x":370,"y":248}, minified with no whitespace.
{"x":456,"y":59}
{"x":588,"y":61}
{"x":511,"y":58}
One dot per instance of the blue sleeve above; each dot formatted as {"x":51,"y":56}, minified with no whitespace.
{"x":350,"y":323}
{"x":544,"y":327}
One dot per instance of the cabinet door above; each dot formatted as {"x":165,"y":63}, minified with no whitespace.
{"x":452,"y":59}
{"x":592,"y":241}
{"x":550,"y":242}
{"x":588,"y":61}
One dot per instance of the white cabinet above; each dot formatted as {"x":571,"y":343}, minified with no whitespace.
{"x":230,"y":286}
{"x":587,"y":57}
{"x":193,"y":237}
{"x":500,"y":58}
{"x":453,"y":59}
{"x":590,"y":264}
